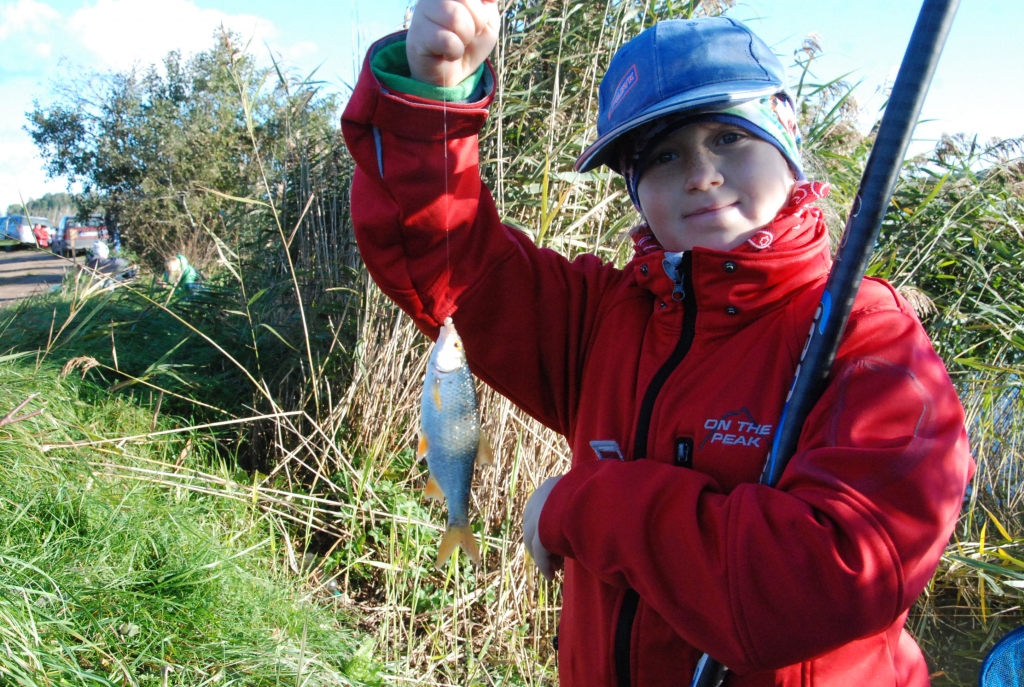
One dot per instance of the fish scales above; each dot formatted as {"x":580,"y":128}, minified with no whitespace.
{"x":453,"y":434}
{"x":450,"y":437}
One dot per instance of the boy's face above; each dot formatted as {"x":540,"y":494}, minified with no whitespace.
{"x":713,"y":185}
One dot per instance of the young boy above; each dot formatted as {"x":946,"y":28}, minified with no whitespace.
{"x":668,"y":376}
{"x":179,"y":274}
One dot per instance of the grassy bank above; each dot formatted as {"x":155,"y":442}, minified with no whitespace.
{"x":140,"y":544}
{"x":110,"y":575}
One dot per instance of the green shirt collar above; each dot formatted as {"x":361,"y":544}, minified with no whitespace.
{"x":391,"y":67}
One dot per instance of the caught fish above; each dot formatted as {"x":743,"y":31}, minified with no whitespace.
{"x":451,"y":439}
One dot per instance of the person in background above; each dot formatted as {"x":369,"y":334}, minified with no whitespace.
{"x":99,"y":250}
{"x":180,"y":275}
{"x":42,"y":235}
{"x":100,"y":261}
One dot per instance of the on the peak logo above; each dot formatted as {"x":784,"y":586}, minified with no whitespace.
{"x":736,"y":428}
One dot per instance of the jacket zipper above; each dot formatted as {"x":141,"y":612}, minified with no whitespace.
{"x":683,"y":290}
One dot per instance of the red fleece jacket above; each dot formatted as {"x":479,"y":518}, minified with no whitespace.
{"x":677,"y":550}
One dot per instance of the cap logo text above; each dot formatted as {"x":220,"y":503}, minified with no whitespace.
{"x":624,"y":87}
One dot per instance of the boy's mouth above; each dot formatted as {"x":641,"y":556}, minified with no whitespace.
{"x":708,"y":209}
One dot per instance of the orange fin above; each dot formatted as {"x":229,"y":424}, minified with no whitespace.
{"x":421,"y":448}
{"x":437,"y":393}
{"x":458,"y":535}
{"x":484,"y":454}
{"x":433,"y":490}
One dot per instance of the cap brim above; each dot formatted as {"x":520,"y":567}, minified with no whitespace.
{"x":713,"y":96}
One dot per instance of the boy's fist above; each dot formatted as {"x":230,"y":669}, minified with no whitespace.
{"x":449,"y":39}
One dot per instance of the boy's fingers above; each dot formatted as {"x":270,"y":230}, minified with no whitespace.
{"x":441,"y":45}
{"x":484,"y":13}
{"x":432,"y":40}
{"x":545,"y":569}
{"x":453,"y":21}
{"x":467,"y":18}
{"x":534,"y":549}
{"x":542,"y":559}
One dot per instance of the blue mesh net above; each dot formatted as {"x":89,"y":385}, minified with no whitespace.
{"x":1004,"y":665}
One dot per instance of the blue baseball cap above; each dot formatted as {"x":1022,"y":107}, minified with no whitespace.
{"x":675,"y":66}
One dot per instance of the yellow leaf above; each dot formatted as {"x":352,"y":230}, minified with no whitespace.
{"x":981,"y":592}
{"x":999,"y":526}
{"x":1007,"y":557}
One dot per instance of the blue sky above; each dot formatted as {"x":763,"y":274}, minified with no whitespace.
{"x":976,"y":89}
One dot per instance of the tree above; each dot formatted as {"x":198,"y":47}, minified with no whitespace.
{"x":52,"y":206}
{"x":163,"y":149}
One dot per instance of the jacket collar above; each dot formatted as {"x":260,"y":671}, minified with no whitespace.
{"x":734,"y":288}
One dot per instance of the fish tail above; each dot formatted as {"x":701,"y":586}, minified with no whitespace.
{"x":454,"y":536}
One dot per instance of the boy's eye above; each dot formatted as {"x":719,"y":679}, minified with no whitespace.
{"x":663,"y":157}
{"x":730,"y":137}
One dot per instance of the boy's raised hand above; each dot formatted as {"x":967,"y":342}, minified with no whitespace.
{"x":448,"y":40}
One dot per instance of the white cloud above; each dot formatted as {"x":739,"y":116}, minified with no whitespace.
{"x":25,"y":17}
{"x":300,"y":51}
{"x":122,"y":33}
{"x":119,"y":34}
{"x":25,"y":27}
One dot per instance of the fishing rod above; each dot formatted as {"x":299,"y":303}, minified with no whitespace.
{"x":855,"y":247}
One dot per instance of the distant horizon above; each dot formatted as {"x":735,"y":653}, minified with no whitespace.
{"x":47,"y":38}
{"x":51,"y":211}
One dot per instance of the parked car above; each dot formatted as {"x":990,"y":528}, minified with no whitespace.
{"x":74,"y":235}
{"x":24,"y":229}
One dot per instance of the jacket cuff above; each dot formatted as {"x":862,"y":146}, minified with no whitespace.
{"x":409,"y":116}
{"x":391,"y":67}
{"x":557,"y":508}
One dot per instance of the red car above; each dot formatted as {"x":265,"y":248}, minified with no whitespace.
{"x":74,"y":235}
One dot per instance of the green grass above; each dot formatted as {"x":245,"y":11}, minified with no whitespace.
{"x":109,"y":577}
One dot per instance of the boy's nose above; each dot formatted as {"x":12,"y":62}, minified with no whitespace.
{"x":701,"y":173}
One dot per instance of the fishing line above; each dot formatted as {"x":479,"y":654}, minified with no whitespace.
{"x":447,"y":198}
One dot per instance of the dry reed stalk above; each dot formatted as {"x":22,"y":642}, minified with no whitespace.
{"x":392,"y":358}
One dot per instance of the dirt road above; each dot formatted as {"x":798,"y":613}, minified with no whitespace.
{"x":24,"y":272}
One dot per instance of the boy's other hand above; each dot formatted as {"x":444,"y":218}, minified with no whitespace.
{"x":448,"y":40}
{"x":544,"y":561}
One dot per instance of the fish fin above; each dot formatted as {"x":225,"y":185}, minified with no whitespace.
{"x":433,"y":490}
{"x":484,"y":454}
{"x":457,"y":535}
{"x":437,"y":393}
{"x":421,"y":447}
